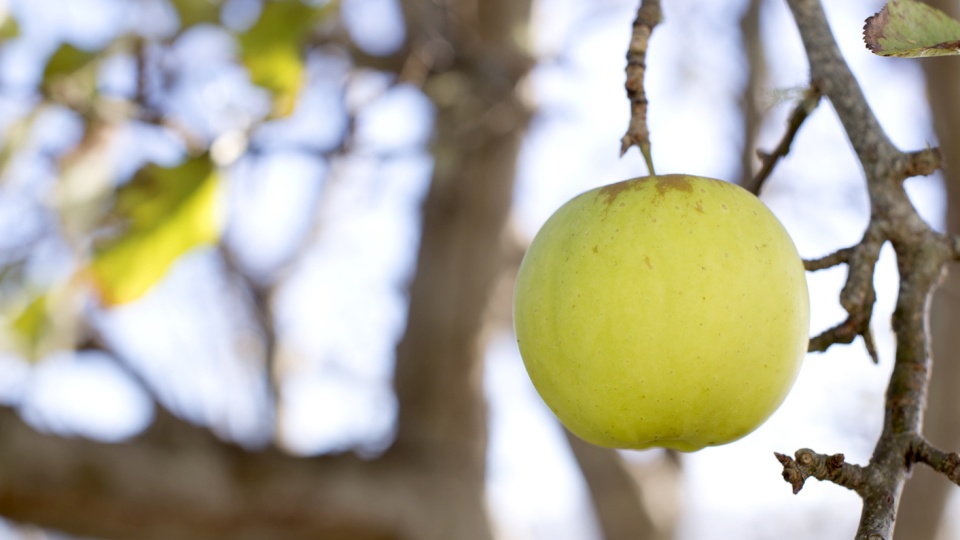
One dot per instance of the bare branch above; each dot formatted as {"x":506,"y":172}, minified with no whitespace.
{"x":920,"y":163}
{"x":832,"y":468}
{"x":921,"y":254}
{"x":648,"y":16}
{"x":858,"y":294}
{"x":178,"y":481}
{"x":811,"y":98}
{"x":948,"y":464}
{"x":843,"y":333}
{"x":836,"y":258}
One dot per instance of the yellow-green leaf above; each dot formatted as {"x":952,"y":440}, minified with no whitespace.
{"x":272,"y":49}
{"x":192,"y":12}
{"x":8,"y":27}
{"x":29,"y":325}
{"x":909,"y":29}
{"x":67,"y":60}
{"x":46,"y":323}
{"x":169,"y":211}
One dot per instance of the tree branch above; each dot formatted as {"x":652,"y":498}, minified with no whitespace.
{"x":648,"y":16}
{"x":831,"y":468}
{"x":811,"y":98}
{"x":948,"y":464}
{"x":616,"y":497}
{"x":921,"y":255}
{"x":857,"y":296}
{"x":841,"y":256}
{"x":920,"y":163}
{"x":178,"y":481}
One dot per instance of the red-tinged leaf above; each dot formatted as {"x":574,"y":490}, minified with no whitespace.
{"x":911,"y":29}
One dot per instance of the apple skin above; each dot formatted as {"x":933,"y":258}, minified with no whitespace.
{"x":666,"y":311}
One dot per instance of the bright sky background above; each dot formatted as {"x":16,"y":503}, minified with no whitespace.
{"x":342,"y":306}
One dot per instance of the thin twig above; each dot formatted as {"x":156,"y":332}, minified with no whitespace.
{"x":846,"y":332}
{"x":809,"y":464}
{"x":648,"y":16}
{"x":811,"y":98}
{"x":841,"y":256}
{"x":921,"y":163}
{"x":858,"y":295}
{"x":946,"y":463}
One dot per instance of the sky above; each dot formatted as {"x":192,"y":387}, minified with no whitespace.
{"x":341,"y":307}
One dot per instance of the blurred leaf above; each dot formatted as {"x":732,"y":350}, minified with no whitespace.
{"x":30,"y":325}
{"x":47,"y":323}
{"x":87,"y":181}
{"x":70,"y":77}
{"x":192,"y":12}
{"x":168,"y":213}
{"x":272,"y":49}
{"x":16,"y":136}
{"x":67,"y":60}
{"x":909,"y":29}
{"x":8,"y":27}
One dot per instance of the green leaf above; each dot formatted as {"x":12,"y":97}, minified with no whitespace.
{"x":67,"y":60}
{"x":193,"y":12}
{"x":910,"y":29}
{"x":8,"y":27}
{"x":272,"y":49}
{"x":29,"y":326}
{"x":169,"y":211}
{"x":45,"y":323}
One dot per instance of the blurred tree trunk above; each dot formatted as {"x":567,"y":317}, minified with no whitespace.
{"x":622,"y":498}
{"x":472,"y":63}
{"x":922,"y":509}
{"x":750,"y":98}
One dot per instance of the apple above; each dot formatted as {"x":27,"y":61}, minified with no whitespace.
{"x":666,"y":311}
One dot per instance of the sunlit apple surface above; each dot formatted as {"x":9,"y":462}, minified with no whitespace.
{"x":665,"y":311}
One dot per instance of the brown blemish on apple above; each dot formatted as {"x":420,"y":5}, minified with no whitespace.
{"x":670,"y":182}
{"x":613,"y":191}
{"x":595,"y":250}
{"x":646,"y":260}
{"x":699,"y":207}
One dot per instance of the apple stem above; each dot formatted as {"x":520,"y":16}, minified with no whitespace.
{"x":648,"y":16}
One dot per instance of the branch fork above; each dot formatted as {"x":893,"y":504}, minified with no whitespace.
{"x":858,"y":295}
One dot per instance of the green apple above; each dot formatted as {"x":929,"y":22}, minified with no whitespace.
{"x":665,"y":311}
